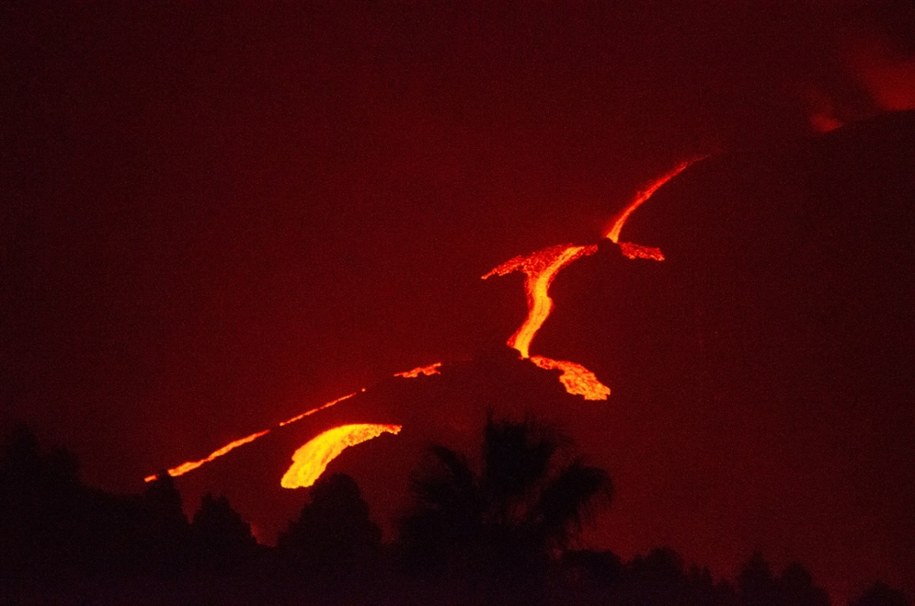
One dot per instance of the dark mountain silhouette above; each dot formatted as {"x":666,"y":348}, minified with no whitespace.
{"x":759,"y":372}
{"x":761,"y":383}
{"x":762,"y":373}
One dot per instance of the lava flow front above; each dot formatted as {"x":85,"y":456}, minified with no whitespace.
{"x":310,"y":460}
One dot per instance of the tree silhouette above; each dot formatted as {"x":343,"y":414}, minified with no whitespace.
{"x":42,"y":504}
{"x":756,"y":583}
{"x":880,"y":594}
{"x":798,"y":588}
{"x":163,"y":538}
{"x":758,"y":586}
{"x":222,"y":539}
{"x":333,"y":540}
{"x":499,"y":527}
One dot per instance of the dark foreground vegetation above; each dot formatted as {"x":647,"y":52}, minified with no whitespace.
{"x":503,"y":531}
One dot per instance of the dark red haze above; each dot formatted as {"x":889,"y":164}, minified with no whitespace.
{"x":215,"y":217}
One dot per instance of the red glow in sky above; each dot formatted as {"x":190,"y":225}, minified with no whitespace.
{"x":219,"y":217}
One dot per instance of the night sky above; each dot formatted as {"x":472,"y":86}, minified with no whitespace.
{"x":215,"y":217}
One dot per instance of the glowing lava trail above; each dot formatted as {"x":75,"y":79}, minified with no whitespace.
{"x":308,"y":413}
{"x":182,"y":469}
{"x":310,"y":461}
{"x":540,"y":268}
{"x":643,"y":196}
{"x":425,"y":371}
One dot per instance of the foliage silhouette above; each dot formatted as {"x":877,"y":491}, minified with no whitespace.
{"x":797,"y":587}
{"x":501,"y":526}
{"x":880,"y":594}
{"x":333,"y":541}
{"x":756,"y":582}
{"x":222,"y":539}
{"x":500,"y":532}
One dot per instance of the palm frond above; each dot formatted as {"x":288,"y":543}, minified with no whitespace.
{"x":568,"y":500}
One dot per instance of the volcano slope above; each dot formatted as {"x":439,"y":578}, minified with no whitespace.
{"x":761,"y":375}
{"x":448,"y":408}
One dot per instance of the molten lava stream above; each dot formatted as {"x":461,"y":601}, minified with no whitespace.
{"x":424,"y":371}
{"x":308,"y":413}
{"x":183,"y":468}
{"x":643,"y":196}
{"x":577,"y":380}
{"x":540,"y":269}
{"x":310,"y":461}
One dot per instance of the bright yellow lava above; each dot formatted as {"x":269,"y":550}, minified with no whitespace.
{"x":540,"y":269}
{"x":310,"y":461}
{"x":180,"y":470}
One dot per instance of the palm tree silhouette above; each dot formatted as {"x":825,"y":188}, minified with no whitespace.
{"x":501,"y":526}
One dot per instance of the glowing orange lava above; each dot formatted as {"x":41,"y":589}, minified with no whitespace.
{"x":638,"y":251}
{"x":540,"y":269}
{"x":425,"y":371}
{"x":310,"y":461}
{"x":182,"y":469}
{"x":577,"y":380}
{"x":308,"y":413}
{"x":643,"y":196}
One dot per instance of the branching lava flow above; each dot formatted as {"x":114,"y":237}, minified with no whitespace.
{"x":540,"y":268}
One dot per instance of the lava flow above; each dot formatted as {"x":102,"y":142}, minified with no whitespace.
{"x":577,"y":380}
{"x":310,"y":460}
{"x":183,"y":468}
{"x":643,"y":196}
{"x":425,"y":371}
{"x":180,"y":470}
{"x":540,"y":269}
